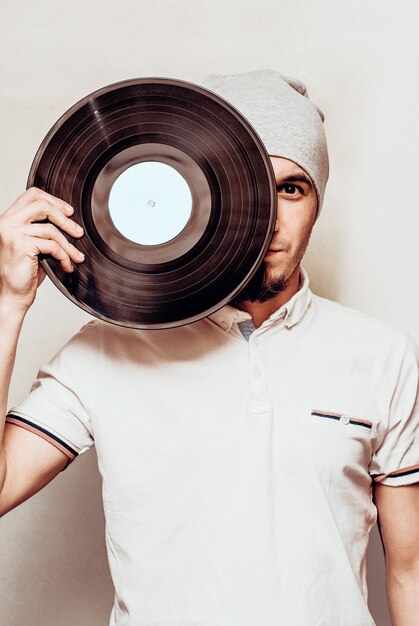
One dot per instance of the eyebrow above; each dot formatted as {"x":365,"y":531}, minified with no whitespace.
{"x":295,"y":178}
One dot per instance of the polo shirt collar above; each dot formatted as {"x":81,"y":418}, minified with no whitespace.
{"x":292,"y":311}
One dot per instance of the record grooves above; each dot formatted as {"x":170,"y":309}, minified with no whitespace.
{"x":232,"y":186}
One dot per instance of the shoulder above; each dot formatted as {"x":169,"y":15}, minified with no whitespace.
{"x":118,"y":342}
{"x":80,"y":351}
{"x":364,"y":332}
{"x":88,"y":337}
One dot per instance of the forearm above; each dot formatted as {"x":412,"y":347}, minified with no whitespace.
{"x":403,"y":596}
{"x":11,"y":320}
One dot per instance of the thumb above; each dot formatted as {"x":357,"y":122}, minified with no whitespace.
{"x":41,"y":275}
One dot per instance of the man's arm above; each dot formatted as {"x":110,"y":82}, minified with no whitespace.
{"x":27,"y":462}
{"x":398,"y":518}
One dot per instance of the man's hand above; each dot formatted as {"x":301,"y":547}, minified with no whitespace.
{"x":24,"y":235}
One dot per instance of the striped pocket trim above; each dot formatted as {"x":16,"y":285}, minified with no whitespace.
{"x":42,"y":432}
{"x":345,"y":419}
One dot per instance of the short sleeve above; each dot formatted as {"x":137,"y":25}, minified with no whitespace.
{"x":396,"y":461}
{"x":59,"y":404}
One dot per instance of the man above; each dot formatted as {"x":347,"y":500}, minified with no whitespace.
{"x":240,"y":454}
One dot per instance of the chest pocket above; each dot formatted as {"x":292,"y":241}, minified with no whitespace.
{"x":340,"y":445}
{"x":347,"y":424}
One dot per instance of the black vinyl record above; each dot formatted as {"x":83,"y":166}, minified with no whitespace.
{"x":233,"y":200}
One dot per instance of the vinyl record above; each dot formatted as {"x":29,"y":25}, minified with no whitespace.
{"x":200,"y":164}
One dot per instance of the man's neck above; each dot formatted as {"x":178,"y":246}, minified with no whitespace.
{"x":260,"y":311}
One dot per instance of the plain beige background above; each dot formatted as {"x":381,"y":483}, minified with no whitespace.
{"x":359,"y":62}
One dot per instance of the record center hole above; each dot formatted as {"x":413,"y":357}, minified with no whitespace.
{"x":129,"y":203}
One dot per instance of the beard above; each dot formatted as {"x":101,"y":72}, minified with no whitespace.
{"x":261,"y":287}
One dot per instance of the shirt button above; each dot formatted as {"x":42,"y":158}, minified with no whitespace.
{"x":257,"y":371}
{"x":345,"y":419}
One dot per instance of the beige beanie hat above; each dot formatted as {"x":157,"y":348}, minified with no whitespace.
{"x":288,"y":123}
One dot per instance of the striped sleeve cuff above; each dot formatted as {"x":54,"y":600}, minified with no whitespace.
{"x":402,"y":476}
{"x":70,"y":452}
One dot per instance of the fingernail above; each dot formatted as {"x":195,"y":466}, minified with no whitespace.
{"x":79,"y":228}
{"x":81,"y":255}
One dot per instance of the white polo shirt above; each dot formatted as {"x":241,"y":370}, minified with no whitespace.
{"x":237,"y":474}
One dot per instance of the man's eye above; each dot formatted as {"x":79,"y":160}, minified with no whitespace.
{"x":289,"y":189}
